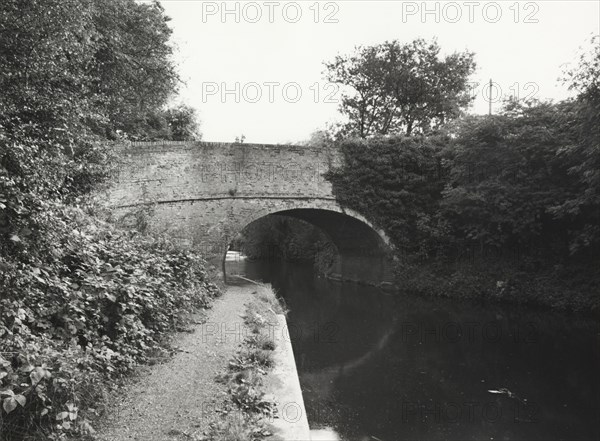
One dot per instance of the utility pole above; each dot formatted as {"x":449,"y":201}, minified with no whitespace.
{"x":490,"y":97}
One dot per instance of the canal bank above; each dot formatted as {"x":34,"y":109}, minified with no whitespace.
{"x":283,"y":384}
{"x":265,"y":320}
{"x":185,"y":398}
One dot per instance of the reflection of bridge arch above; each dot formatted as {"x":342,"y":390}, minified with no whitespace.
{"x":324,"y":379}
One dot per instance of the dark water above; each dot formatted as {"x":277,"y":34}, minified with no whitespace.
{"x":380,"y":367}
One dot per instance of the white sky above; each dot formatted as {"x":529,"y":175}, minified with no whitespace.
{"x":215,"y":52}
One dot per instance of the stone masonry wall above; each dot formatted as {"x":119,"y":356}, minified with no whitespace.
{"x":203,"y":194}
{"x":162,"y":172}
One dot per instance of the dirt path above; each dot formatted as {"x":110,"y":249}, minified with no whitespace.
{"x":177,"y":400}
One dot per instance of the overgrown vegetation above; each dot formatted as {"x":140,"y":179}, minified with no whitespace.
{"x":82,"y":302}
{"x":504,"y":206}
{"x":81,"y":308}
{"x":400,"y":88}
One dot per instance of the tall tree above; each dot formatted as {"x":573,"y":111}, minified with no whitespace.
{"x":584,"y":154}
{"x":133,"y":70}
{"x":401,"y":88}
{"x":46,"y":59}
{"x":74,"y":73}
{"x":506,"y":173}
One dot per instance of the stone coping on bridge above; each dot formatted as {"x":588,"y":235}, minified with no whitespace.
{"x":330,"y":155}
{"x":215,"y":144}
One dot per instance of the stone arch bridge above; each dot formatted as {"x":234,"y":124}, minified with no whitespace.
{"x":203,"y":194}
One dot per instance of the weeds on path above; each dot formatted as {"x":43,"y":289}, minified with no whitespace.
{"x":250,"y":410}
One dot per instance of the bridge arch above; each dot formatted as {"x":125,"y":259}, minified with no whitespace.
{"x":329,"y":217}
{"x":361,"y":246}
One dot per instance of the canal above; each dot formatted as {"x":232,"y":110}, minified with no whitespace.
{"x":375,"y":366}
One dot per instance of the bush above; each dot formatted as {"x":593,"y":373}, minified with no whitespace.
{"x":82,"y":304}
{"x":562,"y":288}
{"x":520,"y":185}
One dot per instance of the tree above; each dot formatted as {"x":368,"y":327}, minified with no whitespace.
{"x":506,"y":173}
{"x":319,"y":138}
{"x":134,"y":75}
{"x":74,"y":73}
{"x":183,"y":123}
{"x":401,"y":88}
{"x":172,"y":124}
{"x":584,"y":153}
{"x":46,"y":64}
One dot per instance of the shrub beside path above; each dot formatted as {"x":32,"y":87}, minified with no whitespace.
{"x":176,"y":400}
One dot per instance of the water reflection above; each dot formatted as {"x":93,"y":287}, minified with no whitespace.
{"x":379,"y":367}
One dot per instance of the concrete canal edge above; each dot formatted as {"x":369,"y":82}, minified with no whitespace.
{"x":283,"y":384}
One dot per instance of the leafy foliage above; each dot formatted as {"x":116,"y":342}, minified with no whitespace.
{"x":81,"y":302}
{"x":519,"y":186}
{"x":397,"y":180}
{"x":585,"y":154}
{"x":183,"y":123}
{"x":74,"y":73}
{"x":507,"y":175}
{"x":173,"y":124}
{"x":401,"y":88}
{"x":85,"y":303}
{"x":88,"y":304}
{"x":134,"y":74}
{"x":522,"y":185}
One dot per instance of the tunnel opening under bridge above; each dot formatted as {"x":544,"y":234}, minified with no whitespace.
{"x":348,"y":247}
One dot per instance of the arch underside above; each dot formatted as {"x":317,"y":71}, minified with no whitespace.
{"x":347,"y":228}
{"x":363,"y":251}
{"x":350,"y":235}
{"x":210,"y":225}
